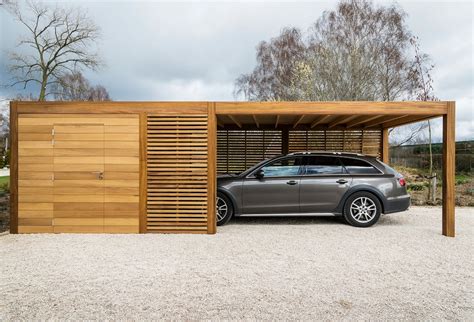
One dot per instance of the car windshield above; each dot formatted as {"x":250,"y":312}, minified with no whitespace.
{"x":246,"y":172}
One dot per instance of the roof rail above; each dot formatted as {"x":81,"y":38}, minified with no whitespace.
{"x":326,"y":152}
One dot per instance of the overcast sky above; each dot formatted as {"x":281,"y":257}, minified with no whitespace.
{"x":195,"y":50}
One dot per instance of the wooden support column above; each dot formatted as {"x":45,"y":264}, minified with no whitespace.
{"x":285,"y":141}
{"x":211,"y":167}
{"x":143,"y":216}
{"x":385,"y":147}
{"x":449,"y":150}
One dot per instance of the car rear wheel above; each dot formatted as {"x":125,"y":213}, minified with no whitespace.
{"x":362,"y":209}
{"x":224,"y":209}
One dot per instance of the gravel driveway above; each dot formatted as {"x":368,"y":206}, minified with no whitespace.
{"x":298,"y":268}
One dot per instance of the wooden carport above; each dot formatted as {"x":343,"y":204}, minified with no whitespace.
{"x":166,"y":180}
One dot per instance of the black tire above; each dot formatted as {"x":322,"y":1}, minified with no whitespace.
{"x":362,"y":214}
{"x":230,"y":209}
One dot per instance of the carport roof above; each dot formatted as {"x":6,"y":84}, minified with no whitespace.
{"x":324,"y":115}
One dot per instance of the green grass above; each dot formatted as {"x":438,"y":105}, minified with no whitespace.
{"x":4,"y":184}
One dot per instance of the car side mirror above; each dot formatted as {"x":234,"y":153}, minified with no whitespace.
{"x":259,"y":174}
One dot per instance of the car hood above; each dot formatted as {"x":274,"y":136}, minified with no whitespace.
{"x":226,"y":176}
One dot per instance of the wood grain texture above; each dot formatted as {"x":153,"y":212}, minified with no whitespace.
{"x":211,"y":169}
{"x":169,"y":108}
{"x":385,"y":146}
{"x":143,"y":173}
{"x":449,"y":154}
{"x":177,"y":173}
{"x":60,"y":159}
{"x":331,"y":108}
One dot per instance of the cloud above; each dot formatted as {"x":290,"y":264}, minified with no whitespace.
{"x":195,"y":50}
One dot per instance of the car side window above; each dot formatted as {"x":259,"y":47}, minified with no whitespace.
{"x":323,"y":165}
{"x":283,"y":168}
{"x":356,"y":166}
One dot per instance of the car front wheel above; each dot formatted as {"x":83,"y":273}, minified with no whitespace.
{"x":224,"y":209}
{"x":362,"y":209}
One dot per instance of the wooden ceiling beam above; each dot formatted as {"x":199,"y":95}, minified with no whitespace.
{"x":341,"y":120}
{"x":235,"y":121}
{"x":382,"y":120}
{"x":319,"y":120}
{"x":256,"y":121}
{"x":276,"y":122}
{"x":362,"y":120}
{"x":299,"y":121}
{"x":407,"y":120}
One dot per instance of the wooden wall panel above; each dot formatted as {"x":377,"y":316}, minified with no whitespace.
{"x":78,"y":192}
{"x":177,"y":172}
{"x":238,"y":150}
{"x":35,"y":177}
{"x":78,"y":173}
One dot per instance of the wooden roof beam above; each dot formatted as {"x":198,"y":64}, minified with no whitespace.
{"x":298,"y":121}
{"x":382,"y":120}
{"x":277,"y":120}
{"x":219,"y":122}
{"x":341,"y":120}
{"x":319,"y":120}
{"x":362,"y":120}
{"x":235,"y":121}
{"x":256,"y":121}
{"x":407,"y":120}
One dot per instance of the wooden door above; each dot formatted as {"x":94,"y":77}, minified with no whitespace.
{"x":78,"y":173}
{"x":78,"y":177}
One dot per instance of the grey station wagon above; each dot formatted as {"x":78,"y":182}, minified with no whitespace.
{"x":355,"y":186}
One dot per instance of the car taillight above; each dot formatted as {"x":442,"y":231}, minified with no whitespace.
{"x":402,"y":182}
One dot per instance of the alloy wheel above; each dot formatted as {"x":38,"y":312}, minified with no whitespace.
{"x":363,"y":210}
{"x":221,"y":209}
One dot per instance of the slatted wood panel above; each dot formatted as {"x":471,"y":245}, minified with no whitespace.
{"x":357,"y":141}
{"x":177,"y":170}
{"x":237,"y":150}
{"x":61,"y":158}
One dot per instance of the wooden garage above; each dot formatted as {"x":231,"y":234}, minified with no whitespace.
{"x":130,"y":167}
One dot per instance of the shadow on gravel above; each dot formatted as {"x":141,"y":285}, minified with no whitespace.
{"x":296,"y":220}
{"x":385,"y":220}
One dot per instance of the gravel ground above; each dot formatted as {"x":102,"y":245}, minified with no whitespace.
{"x":275,"y":268}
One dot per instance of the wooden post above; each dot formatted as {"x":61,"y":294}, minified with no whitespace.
{"x":285,"y":141}
{"x":385,"y":146}
{"x":143,"y":217}
{"x":13,"y":168}
{"x":211,"y":167}
{"x":449,"y":150}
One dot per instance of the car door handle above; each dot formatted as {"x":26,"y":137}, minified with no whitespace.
{"x":341,"y":181}
{"x":292,"y":182}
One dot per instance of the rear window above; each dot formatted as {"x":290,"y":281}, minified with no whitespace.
{"x":323,"y":165}
{"x":356,"y":166}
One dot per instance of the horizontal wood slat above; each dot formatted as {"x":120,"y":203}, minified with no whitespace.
{"x":177,"y":173}
{"x":237,"y":150}
{"x":59,"y":159}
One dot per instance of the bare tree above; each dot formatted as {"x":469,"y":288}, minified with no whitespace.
{"x":99,"y":93}
{"x":75,"y":87}
{"x":58,"y":40}
{"x":272,"y":78}
{"x":421,"y":71}
{"x":356,"y":52}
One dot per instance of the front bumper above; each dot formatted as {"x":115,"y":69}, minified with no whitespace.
{"x":397,"y":204}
